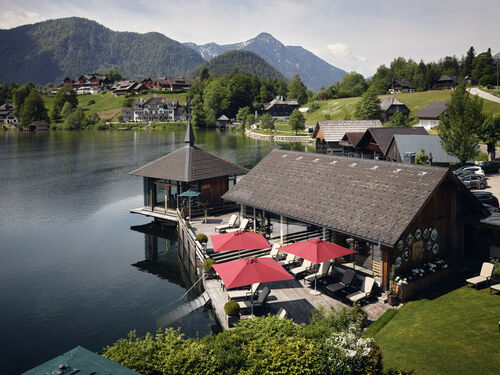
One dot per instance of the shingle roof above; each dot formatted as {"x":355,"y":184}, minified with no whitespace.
{"x":223,"y":118}
{"x":387,"y":101}
{"x":430,"y":143}
{"x":383,"y":136}
{"x":432,"y":111}
{"x":187,"y":164}
{"x":353,"y":137}
{"x":272,"y":103}
{"x":404,"y":83}
{"x":333,"y":131}
{"x":366,"y":198}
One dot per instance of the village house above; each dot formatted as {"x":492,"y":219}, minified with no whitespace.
{"x":155,"y":109}
{"x":328,"y":134}
{"x":393,"y":214}
{"x":126,"y":87}
{"x":401,"y":86}
{"x":87,"y":84}
{"x":7,"y":114}
{"x":405,"y":147}
{"x":389,"y":105}
{"x":429,"y":115}
{"x":374,"y":142}
{"x":168,"y":83}
{"x":278,"y":107}
{"x":446,"y":82}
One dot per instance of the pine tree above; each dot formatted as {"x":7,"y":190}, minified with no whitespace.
{"x":297,"y":121}
{"x":467,"y":65}
{"x":368,"y":107}
{"x":297,"y":90}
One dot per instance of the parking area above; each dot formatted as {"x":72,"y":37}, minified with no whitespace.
{"x":493,"y":184}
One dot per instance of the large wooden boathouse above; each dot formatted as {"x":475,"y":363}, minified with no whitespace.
{"x":393,"y":214}
{"x":188,"y":168}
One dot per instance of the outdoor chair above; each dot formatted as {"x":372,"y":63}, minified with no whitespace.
{"x":366,"y":290}
{"x":274,"y":253}
{"x":290,"y":259}
{"x":238,"y":294}
{"x":322,"y":272}
{"x":230,"y":224}
{"x":260,"y":302}
{"x":484,"y":275}
{"x":243,"y":226}
{"x":342,"y":284}
{"x":281,"y":313}
{"x":306,"y":265}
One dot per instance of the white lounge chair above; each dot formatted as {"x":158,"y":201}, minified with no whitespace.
{"x":342,"y":284}
{"x":230,"y":224}
{"x":281,"y":313}
{"x":306,"y":265}
{"x":261,"y":301}
{"x":243,"y":226}
{"x":366,"y":290}
{"x":484,"y":275}
{"x":238,"y":294}
{"x":290,"y":259}
{"x":322,"y":272}
{"x":274,"y":253}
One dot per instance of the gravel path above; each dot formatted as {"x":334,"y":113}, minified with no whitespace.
{"x":483,"y":94}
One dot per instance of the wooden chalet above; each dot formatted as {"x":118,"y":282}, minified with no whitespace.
{"x":399,"y":86}
{"x":126,"y":87}
{"x":279,"y":107}
{"x":404,"y":148}
{"x":7,"y":113}
{"x":392,"y":214}
{"x":188,"y":168}
{"x":35,"y":126}
{"x":446,"y":82}
{"x":87,"y":81}
{"x":390,"y":105}
{"x":168,"y":83}
{"x":328,"y":134}
{"x":429,"y":115}
{"x":374,"y":142}
{"x":222,"y":122}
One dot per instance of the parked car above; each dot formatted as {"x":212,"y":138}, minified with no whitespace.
{"x":474,"y":181}
{"x":476,"y":169}
{"x":492,"y":166}
{"x":486,"y":198}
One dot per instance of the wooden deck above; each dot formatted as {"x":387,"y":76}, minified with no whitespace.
{"x":158,"y":214}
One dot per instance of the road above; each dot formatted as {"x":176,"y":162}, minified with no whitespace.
{"x":483,"y":94}
{"x":494,"y":184}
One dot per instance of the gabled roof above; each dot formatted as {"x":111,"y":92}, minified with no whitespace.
{"x":334,"y":130}
{"x":404,"y":83}
{"x":430,"y":144}
{"x":383,"y":136}
{"x":386,"y":102}
{"x":353,"y":138}
{"x":445,"y":77}
{"x":223,"y":118}
{"x":370,"y":199}
{"x":275,"y":101}
{"x":432,"y":111}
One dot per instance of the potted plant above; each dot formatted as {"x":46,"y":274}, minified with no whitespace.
{"x":232,"y":310}
{"x":203,"y":239}
{"x":495,"y":277}
{"x":392,"y":297}
{"x":207,"y":267}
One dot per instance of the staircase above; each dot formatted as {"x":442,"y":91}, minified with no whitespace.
{"x":183,"y":310}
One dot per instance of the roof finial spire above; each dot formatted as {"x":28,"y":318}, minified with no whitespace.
{"x":189,"y":138}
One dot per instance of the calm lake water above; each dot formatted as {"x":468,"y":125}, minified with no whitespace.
{"x":72,"y":270}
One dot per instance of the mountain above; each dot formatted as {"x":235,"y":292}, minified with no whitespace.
{"x":289,"y":60}
{"x":497,"y":56}
{"x":242,"y":61}
{"x":51,"y":50}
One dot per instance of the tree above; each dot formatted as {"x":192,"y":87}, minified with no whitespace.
{"x":297,"y":90}
{"x":484,"y":68}
{"x":19,"y":95}
{"x":461,"y":123}
{"x":66,"y":110}
{"x":64,"y":95}
{"x":216,"y":101}
{"x":76,"y":120}
{"x":490,"y":134}
{"x":266,"y":120}
{"x":114,"y":75}
{"x":467,"y":64}
{"x":368,"y":107}
{"x":422,"y":157}
{"x":204,"y":74}
{"x":33,"y":108}
{"x":297,"y":121}
{"x":243,"y":116}
{"x":398,"y":120}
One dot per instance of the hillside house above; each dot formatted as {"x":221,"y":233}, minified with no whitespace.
{"x":7,"y":114}
{"x":447,"y":82}
{"x":126,"y":87}
{"x":429,"y":115}
{"x":328,"y":134}
{"x":168,"y":83}
{"x":280,"y":108}
{"x":374,"y":142}
{"x":87,"y":83}
{"x":404,"y":148}
{"x":392,"y":214}
{"x":401,"y":86}
{"x":155,"y":109}
{"x":390,"y":105}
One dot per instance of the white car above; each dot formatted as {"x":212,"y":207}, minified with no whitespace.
{"x":476,"y":170}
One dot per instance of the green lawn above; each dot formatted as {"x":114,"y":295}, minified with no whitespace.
{"x":455,"y":333}
{"x":335,"y":109}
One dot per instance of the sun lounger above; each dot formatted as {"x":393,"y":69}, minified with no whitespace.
{"x":306,"y":265}
{"x":322,"y":272}
{"x":344,"y":283}
{"x":230,"y":224}
{"x":235,"y":294}
{"x":243,"y":226}
{"x":274,"y":253}
{"x":290,"y":259}
{"x":484,"y":275}
{"x":281,"y":313}
{"x":366,"y":290}
{"x":261,"y":301}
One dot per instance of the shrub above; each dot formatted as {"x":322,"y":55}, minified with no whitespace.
{"x":374,"y":361}
{"x":207,"y":265}
{"x":91,"y":101}
{"x":232,"y":308}
{"x":496,"y":268}
{"x":314,"y":107}
{"x":202,"y":238}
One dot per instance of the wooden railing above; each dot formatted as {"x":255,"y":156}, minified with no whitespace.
{"x":194,"y":248}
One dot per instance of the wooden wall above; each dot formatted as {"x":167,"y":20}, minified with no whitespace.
{"x":212,"y":189}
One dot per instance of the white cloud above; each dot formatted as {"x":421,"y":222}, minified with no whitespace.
{"x":338,"y":49}
{"x":11,"y":18}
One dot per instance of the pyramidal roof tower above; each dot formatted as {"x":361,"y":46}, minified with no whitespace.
{"x":189,"y":138}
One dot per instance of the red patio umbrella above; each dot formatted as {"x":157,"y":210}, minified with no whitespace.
{"x":317,"y":251}
{"x":239,"y":240}
{"x":251,"y":270}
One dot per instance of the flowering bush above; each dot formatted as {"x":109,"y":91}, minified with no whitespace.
{"x":425,"y":269}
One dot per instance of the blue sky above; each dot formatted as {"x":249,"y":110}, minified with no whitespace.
{"x":353,"y":35}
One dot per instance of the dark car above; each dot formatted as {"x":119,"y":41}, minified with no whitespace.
{"x":486,"y":197}
{"x":474,"y":181}
{"x":492,"y":166}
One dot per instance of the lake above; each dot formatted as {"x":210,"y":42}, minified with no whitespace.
{"x":75,"y":268}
